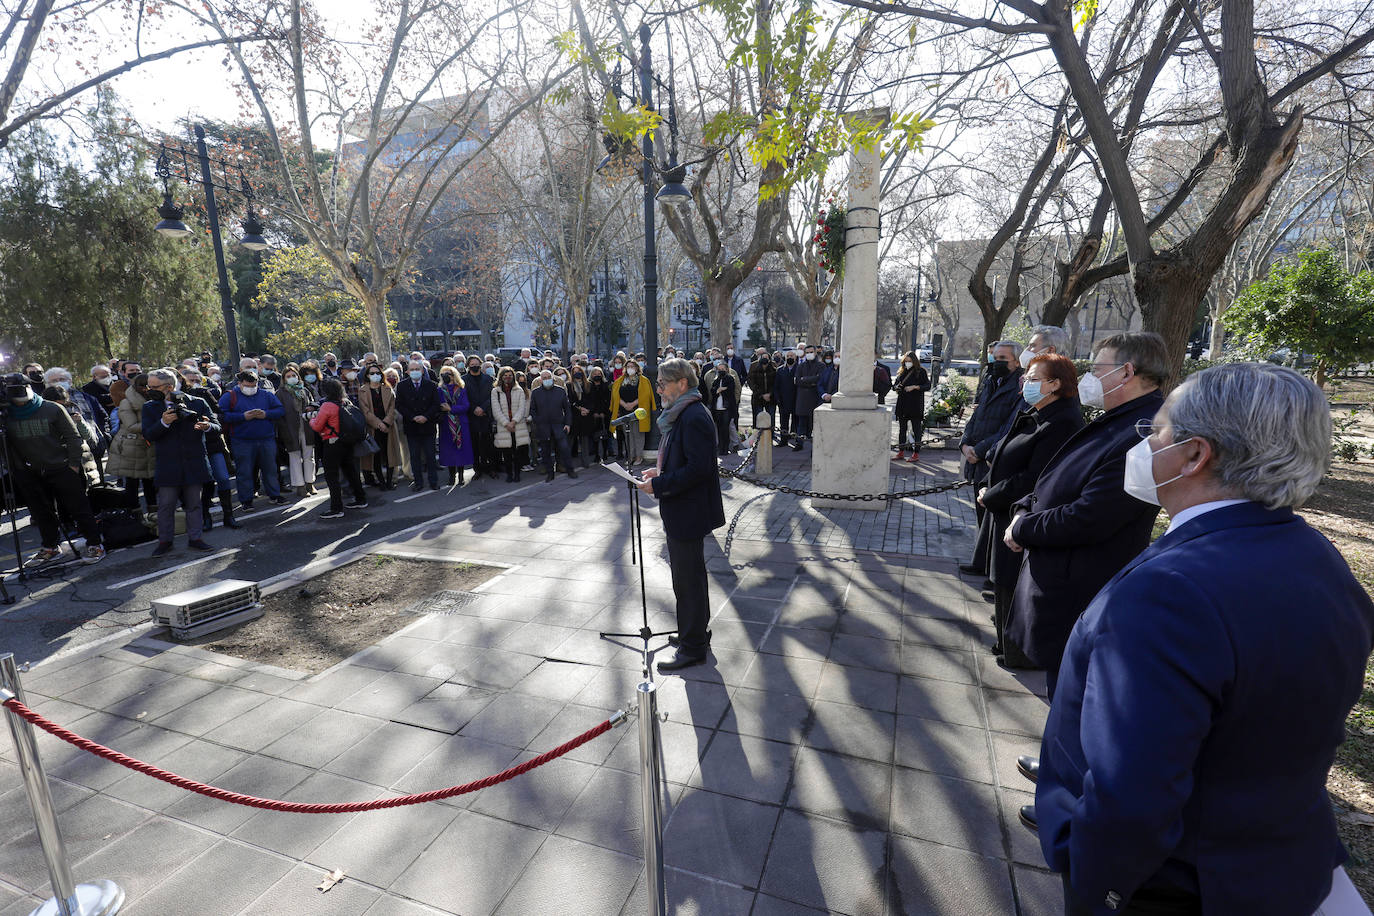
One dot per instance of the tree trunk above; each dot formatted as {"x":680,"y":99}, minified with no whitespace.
{"x":1218,"y":336}
{"x":1169,"y":289}
{"x":815,"y":320}
{"x":374,"y":304}
{"x":720,"y":301}
{"x":136,"y":330}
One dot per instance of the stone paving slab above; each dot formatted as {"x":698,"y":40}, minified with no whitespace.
{"x":849,"y":749}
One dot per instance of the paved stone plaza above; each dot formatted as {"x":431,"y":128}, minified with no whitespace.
{"x":850,"y":749}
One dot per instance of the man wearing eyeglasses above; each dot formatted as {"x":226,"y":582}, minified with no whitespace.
{"x":1079,"y":526}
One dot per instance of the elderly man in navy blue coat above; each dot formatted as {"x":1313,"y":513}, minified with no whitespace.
{"x":1205,"y":689}
{"x":687,"y":487}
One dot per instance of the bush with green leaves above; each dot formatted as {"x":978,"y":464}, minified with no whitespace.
{"x":1311,"y":304}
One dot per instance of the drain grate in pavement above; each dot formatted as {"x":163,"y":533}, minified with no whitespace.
{"x":442,"y":602}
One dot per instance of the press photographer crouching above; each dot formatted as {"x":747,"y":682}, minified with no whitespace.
{"x":44,"y":453}
{"x":176,"y":423}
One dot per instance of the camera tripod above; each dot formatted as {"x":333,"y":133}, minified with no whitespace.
{"x":9,"y":506}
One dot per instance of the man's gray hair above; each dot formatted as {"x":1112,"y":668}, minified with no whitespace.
{"x":1052,"y":336}
{"x":101,"y":366}
{"x":55,"y":371}
{"x":1270,"y":427}
{"x":676,"y":369}
{"x":166,"y":375}
{"x":1145,"y":350}
{"x":1015,"y":347}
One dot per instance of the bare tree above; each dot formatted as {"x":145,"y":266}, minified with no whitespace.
{"x":46,"y":32}
{"x":1258,"y":68}
{"x":427,"y":102}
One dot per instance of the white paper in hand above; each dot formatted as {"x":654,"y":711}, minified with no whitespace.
{"x":615,"y":468}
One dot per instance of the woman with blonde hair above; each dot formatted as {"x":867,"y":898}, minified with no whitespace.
{"x":628,"y":395}
{"x":510,"y":407}
{"x":455,"y":439}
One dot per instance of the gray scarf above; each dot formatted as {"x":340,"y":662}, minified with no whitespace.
{"x":668,"y":418}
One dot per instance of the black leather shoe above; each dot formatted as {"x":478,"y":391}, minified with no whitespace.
{"x":1027,"y":817}
{"x":674,"y":642}
{"x":680,"y":661}
{"x":1028,"y":767}
{"x":969,"y":569}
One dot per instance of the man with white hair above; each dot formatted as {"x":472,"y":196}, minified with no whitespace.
{"x":91,"y":410}
{"x":1204,"y":691}
{"x":99,"y":386}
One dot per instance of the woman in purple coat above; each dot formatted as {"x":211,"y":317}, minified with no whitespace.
{"x":455,"y":444}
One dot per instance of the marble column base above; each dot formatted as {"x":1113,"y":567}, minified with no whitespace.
{"x":850,"y":455}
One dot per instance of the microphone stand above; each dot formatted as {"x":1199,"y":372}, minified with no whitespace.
{"x":645,"y":632}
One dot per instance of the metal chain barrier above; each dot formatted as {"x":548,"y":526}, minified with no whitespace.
{"x":12,"y":703}
{"x":737,"y":474}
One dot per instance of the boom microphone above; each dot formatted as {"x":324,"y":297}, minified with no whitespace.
{"x":639,"y":414}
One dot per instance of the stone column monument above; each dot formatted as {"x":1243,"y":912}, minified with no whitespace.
{"x":850,"y":453}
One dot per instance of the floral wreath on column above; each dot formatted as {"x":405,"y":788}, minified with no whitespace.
{"x":830,"y":236}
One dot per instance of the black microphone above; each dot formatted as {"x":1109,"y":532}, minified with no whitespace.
{"x":638,"y":414}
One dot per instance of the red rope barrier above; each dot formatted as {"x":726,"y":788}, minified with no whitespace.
{"x":250,"y":801}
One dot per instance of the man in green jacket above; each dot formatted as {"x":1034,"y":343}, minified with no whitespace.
{"x":44,"y":456}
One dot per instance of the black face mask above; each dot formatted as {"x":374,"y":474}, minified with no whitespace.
{"x":36,"y":375}
{"x":999,"y":369}
{"x":474,"y":370}
{"x":158,"y":395}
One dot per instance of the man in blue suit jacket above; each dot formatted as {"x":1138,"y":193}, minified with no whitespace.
{"x":687,"y":485}
{"x":1204,"y":691}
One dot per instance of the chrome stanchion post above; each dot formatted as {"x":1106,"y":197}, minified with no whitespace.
{"x":100,"y":898}
{"x":651,"y":793}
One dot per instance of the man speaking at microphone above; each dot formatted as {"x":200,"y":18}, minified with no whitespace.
{"x":687,"y":486}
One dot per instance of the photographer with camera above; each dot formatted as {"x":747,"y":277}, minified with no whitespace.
{"x":176,"y":423}
{"x":44,"y":454}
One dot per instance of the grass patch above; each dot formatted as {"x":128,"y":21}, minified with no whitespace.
{"x":1343,"y":510}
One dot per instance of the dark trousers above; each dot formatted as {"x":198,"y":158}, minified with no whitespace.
{"x":687,"y":561}
{"x":250,"y":457}
{"x":68,"y":488}
{"x":1146,"y":902}
{"x":722,"y":418}
{"x":917,"y":431}
{"x":803,"y":425}
{"x":131,"y":485}
{"x":784,"y":422}
{"x":1011,"y":652}
{"x":483,"y":444}
{"x":339,"y":462}
{"x":559,"y":441}
{"x":423,"y":460}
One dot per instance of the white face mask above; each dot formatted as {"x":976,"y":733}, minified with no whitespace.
{"x":729,"y":352}
{"x":249,"y":390}
{"x":1090,"y":389}
{"x":1140,"y":471}
{"x":906,"y":365}
{"x":631,"y":370}
{"x":811,"y":356}
{"x":105,"y":380}
{"x":1026,"y":356}
{"x":215,"y":378}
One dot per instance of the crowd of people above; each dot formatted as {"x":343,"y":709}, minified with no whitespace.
{"x":1199,"y":681}
{"x":153,"y":440}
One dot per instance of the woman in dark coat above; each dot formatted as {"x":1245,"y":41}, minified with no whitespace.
{"x":807,"y":379}
{"x":579,"y":395}
{"x":724,"y":403}
{"x":1052,"y":417}
{"x":598,"y":401}
{"x":911,"y":385}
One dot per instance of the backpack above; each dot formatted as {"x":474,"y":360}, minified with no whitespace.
{"x":352,"y":428}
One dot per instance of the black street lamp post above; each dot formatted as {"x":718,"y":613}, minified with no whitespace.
{"x":173,"y":226}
